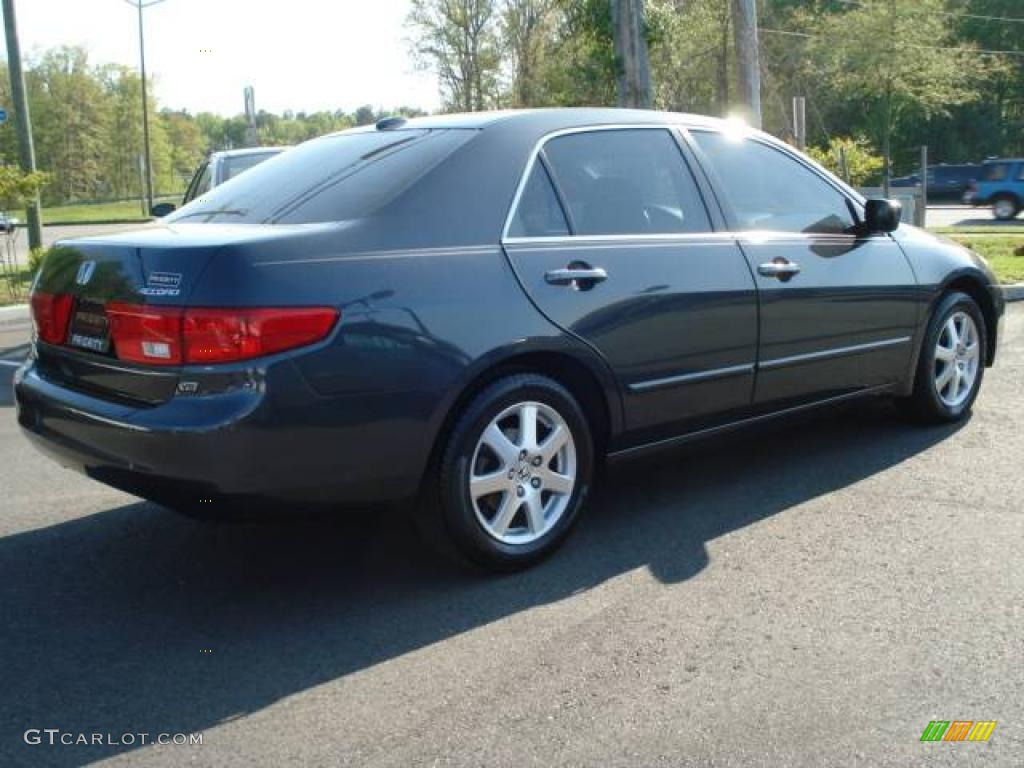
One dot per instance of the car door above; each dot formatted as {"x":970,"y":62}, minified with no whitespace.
{"x":837,"y":306}
{"x":612,"y":240}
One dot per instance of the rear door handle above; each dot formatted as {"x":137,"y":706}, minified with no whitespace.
{"x":585,"y":276}
{"x":781,"y":269}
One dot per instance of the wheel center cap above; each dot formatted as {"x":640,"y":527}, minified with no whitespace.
{"x":524,"y":470}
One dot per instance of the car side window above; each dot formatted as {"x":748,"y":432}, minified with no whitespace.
{"x":1020,"y":172}
{"x":768,"y":190}
{"x":539,"y":214}
{"x":626,"y":182}
{"x":996,"y":172}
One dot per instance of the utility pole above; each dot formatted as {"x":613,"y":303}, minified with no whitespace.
{"x":141,"y":5}
{"x":744,"y":18}
{"x":633,"y":78}
{"x":23,"y":122}
{"x":249,"y":96}
{"x":887,"y":138}
{"x":800,"y":122}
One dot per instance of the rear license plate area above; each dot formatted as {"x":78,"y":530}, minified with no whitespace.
{"x":90,"y":328}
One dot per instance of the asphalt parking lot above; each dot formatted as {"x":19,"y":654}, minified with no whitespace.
{"x":808,"y":595}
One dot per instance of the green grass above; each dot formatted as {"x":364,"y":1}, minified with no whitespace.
{"x":1016,"y":229}
{"x":1004,"y":254}
{"x":86,"y":213}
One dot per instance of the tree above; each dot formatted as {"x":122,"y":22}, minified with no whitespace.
{"x":458,"y":39}
{"x":187,"y":145}
{"x":18,"y":187}
{"x":855,"y":159}
{"x":691,"y":50}
{"x":71,"y":124}
{"x":527,"y":30}
{"x":894,"y":60}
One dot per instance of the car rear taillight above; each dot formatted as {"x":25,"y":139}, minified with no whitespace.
{"x":226,"y":335}
{"x":173,"y":335}
{"x":144,"y":334}
{"x":51,"y":312}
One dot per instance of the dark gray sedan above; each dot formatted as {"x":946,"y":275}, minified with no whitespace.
{"x":472,"y":311}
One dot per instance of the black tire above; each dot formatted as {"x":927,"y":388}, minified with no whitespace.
{"x":924,"y":403}
{"x":447,"y":517}
{"x":1006,"y":214}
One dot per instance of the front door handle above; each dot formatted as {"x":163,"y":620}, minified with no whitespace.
{"x":783,"y":269}
{"x":580,"y":277}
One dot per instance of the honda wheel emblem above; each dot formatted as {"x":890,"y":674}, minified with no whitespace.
{"x":85,"y":272}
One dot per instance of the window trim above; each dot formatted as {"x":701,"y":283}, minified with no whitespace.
{"x":672,"y":129}
{"x":855,"y":202}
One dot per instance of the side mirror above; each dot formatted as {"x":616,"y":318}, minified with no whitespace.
{"x":882,"y":215}
{"x":162,"y":209}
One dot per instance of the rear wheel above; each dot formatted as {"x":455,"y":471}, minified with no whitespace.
{"x":513,"y":475}
{"x":1005,"y":207}
{"x":952,"y":361}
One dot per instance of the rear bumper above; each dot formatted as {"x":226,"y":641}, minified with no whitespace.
{"x":276,"y":444}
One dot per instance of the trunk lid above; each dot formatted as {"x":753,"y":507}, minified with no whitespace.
{"x":156,"y":266}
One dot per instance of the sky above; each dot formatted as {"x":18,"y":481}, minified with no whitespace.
{"x":302,"y":55}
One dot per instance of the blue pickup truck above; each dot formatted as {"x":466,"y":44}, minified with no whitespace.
{"x":1001,"y":185}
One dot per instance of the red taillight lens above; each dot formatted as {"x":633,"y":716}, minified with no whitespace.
{"x":146,"y":334}
{"x":173,"y":335}
{"x":225,"y":335}
{"x":51,"y":313}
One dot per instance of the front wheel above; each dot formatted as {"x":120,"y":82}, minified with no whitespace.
{"x":1005,"y":208}
{"x":513,"y":476}
{"x":952,"y":361}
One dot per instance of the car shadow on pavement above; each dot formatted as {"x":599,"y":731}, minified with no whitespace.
{"x":138,"y":620}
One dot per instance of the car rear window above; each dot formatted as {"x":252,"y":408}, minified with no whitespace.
{"x":334,"y":178}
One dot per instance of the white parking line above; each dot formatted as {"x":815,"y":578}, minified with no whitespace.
{"x":12,"y":363}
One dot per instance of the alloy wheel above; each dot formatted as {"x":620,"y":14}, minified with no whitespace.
{"x":522,"y":473}
{"x":957,"y":358}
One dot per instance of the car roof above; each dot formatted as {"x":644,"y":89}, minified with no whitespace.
{"x":556,"y":118}
{"x":993,"y":160}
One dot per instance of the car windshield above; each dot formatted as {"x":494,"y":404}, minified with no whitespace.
{"x":334,"y":178}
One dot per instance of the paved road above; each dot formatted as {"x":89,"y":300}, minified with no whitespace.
{"x":965,"y":216}
{"x":812,"y":595}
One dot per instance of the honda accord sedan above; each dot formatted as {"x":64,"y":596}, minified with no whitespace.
{"x":474,"y":311}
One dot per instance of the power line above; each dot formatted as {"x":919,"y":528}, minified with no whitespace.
{"x":1007,"y":19}
{"x":907,"y":45}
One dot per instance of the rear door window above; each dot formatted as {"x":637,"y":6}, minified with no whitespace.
{"x":539,"y":214}
{"x":626,"y":182}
